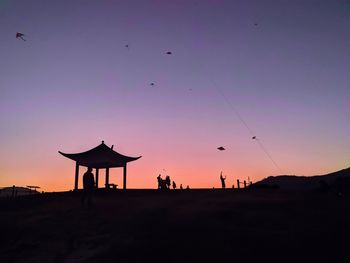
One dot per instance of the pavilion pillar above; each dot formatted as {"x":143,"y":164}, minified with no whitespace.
{"x":96,"y":178}
{"x":76,"y":176}
{"x":107,"y":178}
{"x":124,"y":177}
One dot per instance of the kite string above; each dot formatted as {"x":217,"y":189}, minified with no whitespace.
{"x":269,"y":155}
{"x":239,"y":116}
{"x":229,"y":103}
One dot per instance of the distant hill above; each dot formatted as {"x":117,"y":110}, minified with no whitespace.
{"x":339,"y":179}
{"x":19,"y":191}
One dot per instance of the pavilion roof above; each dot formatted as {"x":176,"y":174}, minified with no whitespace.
{"x":101,"y":156}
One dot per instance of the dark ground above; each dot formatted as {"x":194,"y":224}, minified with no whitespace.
{"x":258,"y":225}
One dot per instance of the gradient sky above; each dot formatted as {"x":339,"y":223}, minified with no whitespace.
{"x":73,"y":84}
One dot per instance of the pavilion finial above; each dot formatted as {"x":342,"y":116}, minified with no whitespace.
{"x":103,"y":142}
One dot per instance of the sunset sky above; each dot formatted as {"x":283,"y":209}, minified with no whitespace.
{"x":283,"y":65}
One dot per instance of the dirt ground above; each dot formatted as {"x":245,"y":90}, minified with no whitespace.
{"x":177,"y":226}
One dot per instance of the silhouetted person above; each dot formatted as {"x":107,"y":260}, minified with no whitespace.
{"x":181,"y":186}
{"x":174,"y":185}
{"x":88,"y":184}
{"x":159,"y":179}
{"x":188,"y":187}
{"x":223,"y":185}
{"x":167,"y":182}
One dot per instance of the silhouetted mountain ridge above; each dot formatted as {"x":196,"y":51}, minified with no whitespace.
{"x":19,"y":191}
{"x":305,"y":183}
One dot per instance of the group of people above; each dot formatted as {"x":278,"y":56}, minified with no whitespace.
{"x":165,"y":184}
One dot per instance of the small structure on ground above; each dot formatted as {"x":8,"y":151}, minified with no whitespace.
{"x":33,"y":188}
{"x":100,"y":157}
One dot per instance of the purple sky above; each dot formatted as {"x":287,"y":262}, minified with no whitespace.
{"x":73,"y":83}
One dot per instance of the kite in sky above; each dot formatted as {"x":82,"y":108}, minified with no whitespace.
{"x":221,"y":148}
{"x":169,"y":53}
{"x":20,"y":35}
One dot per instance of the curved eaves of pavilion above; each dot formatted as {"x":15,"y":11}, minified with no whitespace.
{"x":100,"y":157}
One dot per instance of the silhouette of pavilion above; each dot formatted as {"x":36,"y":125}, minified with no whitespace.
{"x":100,"y":157}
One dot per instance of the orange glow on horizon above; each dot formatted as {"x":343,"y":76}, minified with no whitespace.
{"x":56,"y":173}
